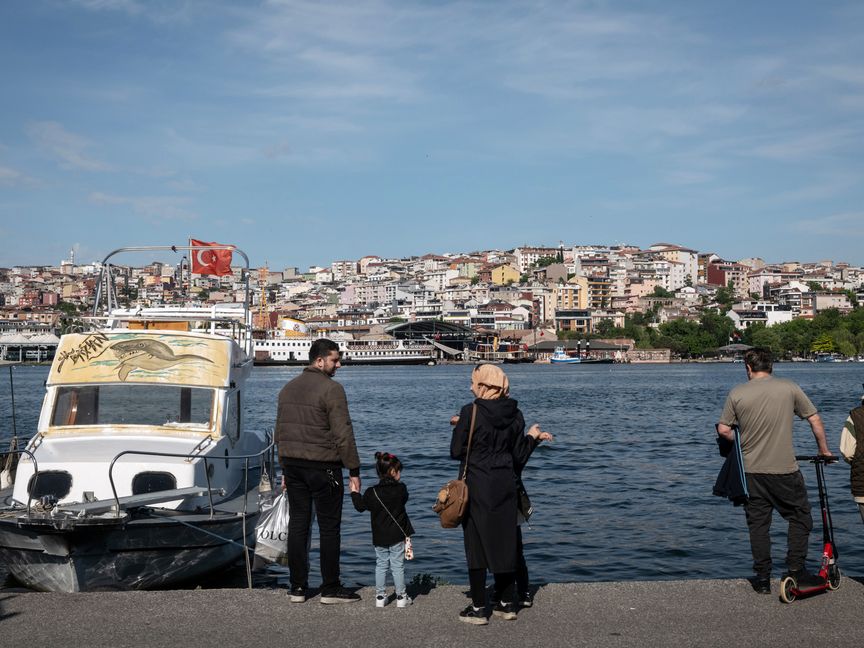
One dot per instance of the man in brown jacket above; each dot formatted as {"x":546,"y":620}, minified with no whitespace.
{"x":316,"y":440}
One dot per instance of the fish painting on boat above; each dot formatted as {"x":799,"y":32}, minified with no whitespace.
{"x":142,"y":356}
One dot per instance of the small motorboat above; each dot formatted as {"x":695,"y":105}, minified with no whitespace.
{"x":141,"y":473}
{"x":560,"y":357}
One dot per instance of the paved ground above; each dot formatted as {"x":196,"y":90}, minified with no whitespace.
{"x":678,"y":613}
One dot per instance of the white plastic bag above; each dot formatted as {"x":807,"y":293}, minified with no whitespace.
{"x":272,"y":532}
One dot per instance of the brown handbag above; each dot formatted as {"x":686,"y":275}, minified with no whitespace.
{"x":453,"y":498}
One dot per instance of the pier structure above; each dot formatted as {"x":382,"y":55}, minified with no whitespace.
{"x":697,"y":613}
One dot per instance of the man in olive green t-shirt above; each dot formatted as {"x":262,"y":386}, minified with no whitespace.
{"x":762,"y":408}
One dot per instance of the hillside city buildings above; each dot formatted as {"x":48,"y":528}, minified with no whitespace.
{"x":564,"y":288}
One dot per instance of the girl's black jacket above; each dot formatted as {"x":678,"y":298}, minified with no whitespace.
{"x":394,"y":495}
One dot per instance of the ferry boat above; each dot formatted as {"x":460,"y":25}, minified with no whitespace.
{"x":142,"y":472}
{"x":384,"y":350}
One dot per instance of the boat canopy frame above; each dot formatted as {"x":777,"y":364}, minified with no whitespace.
{"x":106,"y":291}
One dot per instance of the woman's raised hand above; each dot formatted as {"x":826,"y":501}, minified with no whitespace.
{"x":539,"y":434}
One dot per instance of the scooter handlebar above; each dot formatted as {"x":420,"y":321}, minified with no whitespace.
{"x":817,"y":458}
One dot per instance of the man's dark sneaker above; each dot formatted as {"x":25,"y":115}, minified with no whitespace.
{"x":761,"y":584}
{"x":474,"y":616}
{"x":525,"y":600}
{"x":297,"y":595}
{"x":505,"y":610}
{"x":805,"y":580}
{"x":339,"y":595}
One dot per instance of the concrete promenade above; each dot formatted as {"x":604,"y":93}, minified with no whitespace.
{"x":677,"y":613}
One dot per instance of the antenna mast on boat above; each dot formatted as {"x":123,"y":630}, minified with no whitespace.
{"x":263,"y":311}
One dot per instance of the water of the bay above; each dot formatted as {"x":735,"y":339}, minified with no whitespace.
{"x":623,"y":493}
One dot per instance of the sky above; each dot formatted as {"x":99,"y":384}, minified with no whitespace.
{"x":309,"y":131}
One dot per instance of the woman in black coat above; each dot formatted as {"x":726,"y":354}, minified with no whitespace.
{"x":499,"y":448}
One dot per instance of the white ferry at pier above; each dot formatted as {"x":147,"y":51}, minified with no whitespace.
{"x":376,"y":350}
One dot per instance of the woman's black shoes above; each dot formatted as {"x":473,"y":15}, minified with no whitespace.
{"x":505,"y":610}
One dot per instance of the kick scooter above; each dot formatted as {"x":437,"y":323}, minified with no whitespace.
{"x":829,"y":571}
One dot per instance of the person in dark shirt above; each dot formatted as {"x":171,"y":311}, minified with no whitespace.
{"x":391,"y":528}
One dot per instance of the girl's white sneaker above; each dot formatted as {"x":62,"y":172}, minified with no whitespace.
{"x":380,"y":601}
{"x":403,"y":600}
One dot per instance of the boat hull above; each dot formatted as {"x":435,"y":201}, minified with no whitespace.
{"x":154,"y":550}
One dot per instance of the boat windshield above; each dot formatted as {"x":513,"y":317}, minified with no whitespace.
{"x":135,"y":404}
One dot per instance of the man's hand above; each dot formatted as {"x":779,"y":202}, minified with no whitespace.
{"x":725,"y":431}
{"x":454,"y":420}
{"x":354,"y":484}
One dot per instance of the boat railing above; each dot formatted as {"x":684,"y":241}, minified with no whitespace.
{"x":20,"y":451}
{"x":107,"y":300}
{"x":261,"y":456}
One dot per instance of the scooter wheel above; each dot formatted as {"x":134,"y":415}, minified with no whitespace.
{"x":833,"y":577}
{"x":787,"y":589}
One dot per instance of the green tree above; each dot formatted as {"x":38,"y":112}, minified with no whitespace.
{"x":846,"y":348}
{"x":814,"y":286}
{"x":822,"y":344}
{"x":660,"y":291}
{"x":719,"y":327}
{"x":605,"y":327}
{"x":826,"y":320}
{"x":543,"y":262}
{"x":725,"y":297}
{"x":762,"y":336}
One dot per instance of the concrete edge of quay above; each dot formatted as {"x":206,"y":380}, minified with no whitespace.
{"x":624,"y":613}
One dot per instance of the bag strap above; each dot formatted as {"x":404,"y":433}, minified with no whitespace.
{"x":388,"y":512}
{"x":470,"y":437}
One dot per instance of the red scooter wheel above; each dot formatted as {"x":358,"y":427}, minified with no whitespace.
{"x":834,"y":577}
{"x":787,"y":589}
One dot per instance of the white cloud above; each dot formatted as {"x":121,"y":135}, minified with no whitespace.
{"x":127,"y":6}
{"x":10,"y":177}
{"x":155,"y":208}
{"x":688,"y":177}
{"x":70,"y":149}
{"x":185,"y":184}
{"x":847,"y":224}
{"x":793,"y":146}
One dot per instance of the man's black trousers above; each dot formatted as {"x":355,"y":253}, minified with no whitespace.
{"x":786,"y":494}
{"x":325,"y":488}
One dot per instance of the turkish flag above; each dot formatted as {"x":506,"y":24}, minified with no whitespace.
{"x":210,"y":262}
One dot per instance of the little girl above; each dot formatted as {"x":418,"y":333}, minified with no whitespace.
{"x":390,"y":526}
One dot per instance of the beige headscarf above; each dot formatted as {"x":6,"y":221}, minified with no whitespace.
{"x":489,"y":382}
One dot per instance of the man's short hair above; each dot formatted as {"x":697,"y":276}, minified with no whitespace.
{"x":321,"y":348}
{"x":759,"y":360}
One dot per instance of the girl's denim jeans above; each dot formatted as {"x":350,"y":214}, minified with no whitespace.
{"x":394,"y":557}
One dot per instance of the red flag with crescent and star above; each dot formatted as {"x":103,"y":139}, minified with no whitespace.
{"x":210,"y":262}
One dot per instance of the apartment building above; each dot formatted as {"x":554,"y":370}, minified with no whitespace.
{"x":720,"y":273}
{"x":528,"y":256}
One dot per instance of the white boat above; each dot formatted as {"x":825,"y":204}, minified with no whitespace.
{"x":141,"y":473}
{"x":294,"y":350}
{"x":560,"y":357}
